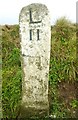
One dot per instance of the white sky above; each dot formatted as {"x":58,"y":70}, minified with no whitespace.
{"x":10,"y":9}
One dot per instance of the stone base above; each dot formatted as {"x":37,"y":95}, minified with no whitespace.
{"x":31,"y":112}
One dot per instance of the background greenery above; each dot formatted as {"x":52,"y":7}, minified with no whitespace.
{"x":11,"y":71}
{"x":63,"y":64}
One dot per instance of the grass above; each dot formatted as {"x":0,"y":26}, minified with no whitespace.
{"x":62,"y":69}
{"x":62,"y":64}
{"x":11,"y":73}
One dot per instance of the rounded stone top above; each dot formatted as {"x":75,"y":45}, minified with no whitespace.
{"x":36,"y":7}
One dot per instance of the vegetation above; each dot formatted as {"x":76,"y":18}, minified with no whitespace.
{"x":11,"y":72}
{"x":62,"y":67}
{"x":63,"y":73}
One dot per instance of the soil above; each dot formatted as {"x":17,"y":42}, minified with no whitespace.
{"x":67,"y":93}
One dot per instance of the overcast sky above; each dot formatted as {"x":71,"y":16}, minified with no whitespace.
{"x":10,"y":9}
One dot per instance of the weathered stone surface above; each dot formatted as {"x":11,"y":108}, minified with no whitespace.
{"x":35,"y":37}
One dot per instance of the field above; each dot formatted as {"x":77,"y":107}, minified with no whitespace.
{"x":63,"y":75}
